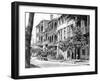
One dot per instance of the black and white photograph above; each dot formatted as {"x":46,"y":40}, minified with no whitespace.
{"x":50,"y":40}
{"x":56,"y":40}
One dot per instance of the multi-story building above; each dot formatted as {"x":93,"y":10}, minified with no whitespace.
{"x":68,"y":26}
{"x":46,"y":33}
{"x":50,"y":33}
{"x":64,"y":27}
{"x":72,"y":30}
{"x":40,"y":29}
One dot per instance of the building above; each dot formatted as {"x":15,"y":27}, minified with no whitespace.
{"x":50,"y":33}
{"x":68,"y":35}
{"x":73,"y":31}
{"x":46,"y":33}
{"x":64,"y":27}
{"x":64,"y":32}
{"x":40,"y":31}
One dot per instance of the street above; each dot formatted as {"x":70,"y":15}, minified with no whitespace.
{"x":56,"y":63}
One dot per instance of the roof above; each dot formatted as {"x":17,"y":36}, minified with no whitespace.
{"x":42,"y":22}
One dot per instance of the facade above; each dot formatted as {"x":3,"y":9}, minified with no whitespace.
{"x":73,"y":32}
{"x":64,"y":27}
{"x":68,"y":35}
{"x":46,"y":33}
{"x":64,"y":32}
{"x":50,"y":33}
{"x":40,"y":29}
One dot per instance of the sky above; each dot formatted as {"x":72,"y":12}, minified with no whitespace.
{"x":37,"y":18}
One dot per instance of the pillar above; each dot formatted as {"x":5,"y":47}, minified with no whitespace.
{"x":57,"y":51}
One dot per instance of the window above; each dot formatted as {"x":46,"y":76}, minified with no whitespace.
{"x":58,"y":22}
{"x":50,"y":39}
{"x":41,"y":39}
{"x":55,"y":37}
{"x":61,"y":34}
{"x":51,"y":25}
{"x":58,"y":34}
{"x":46,"y":36}
{"x":83,"y":51}
{"x":41,"y":28}
{"x":55,"y":25}
{"x":64,"y":37}
{"x":64,"y":31}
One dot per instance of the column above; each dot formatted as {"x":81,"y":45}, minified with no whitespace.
{"x":57,"y":44}
{"x":65,"y":55}
{"x":57,"y":51}
{"x":81,"y":53}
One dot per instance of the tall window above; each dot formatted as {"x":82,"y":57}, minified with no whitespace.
{"x":61,"y":34}
{"x":58,"y":35}
{"x":48,"y":39}
{"x":41,"y":39}
{"x":58,"y":22}
{"x":41,"y":28}
{"x":68,"y":31}
{"x":55,"y":25}
{"x":46,"y":36}
{"x":83,"y":51}
{"x":52,"y":25}
{"x":55,"y":37}
{"x":52,"y":38}
{"x":64,"y":33}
